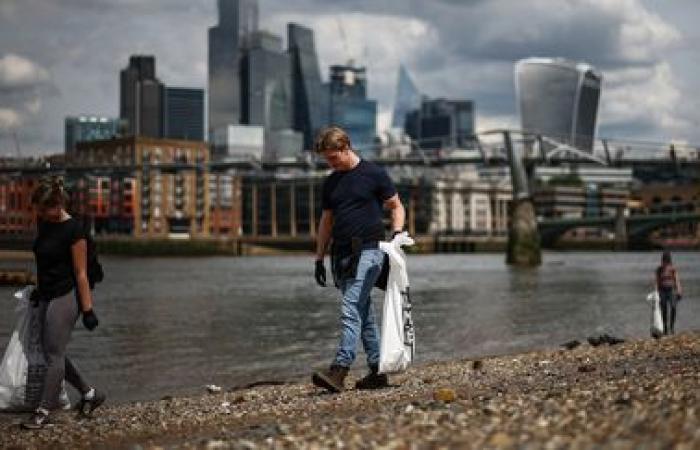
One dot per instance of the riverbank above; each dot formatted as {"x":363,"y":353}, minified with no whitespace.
{"x":636,"y":394}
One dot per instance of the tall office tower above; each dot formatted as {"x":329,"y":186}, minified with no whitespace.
{"x":141,"y":98}
{"x":310,"y":100}
{"x":238,"y":19}
{"x":350,"y":108}
{"x":558,"y":99}
{"x":442,"y":124}
{"x":407,"y":98}
{"x":266,"y":90}
{"x":90,"y":128}
{"x":184,"y":113}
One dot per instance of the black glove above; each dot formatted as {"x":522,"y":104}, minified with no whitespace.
{"x":320,"y":273}
{"x":34,"y":297}
{"x":90,"y":320}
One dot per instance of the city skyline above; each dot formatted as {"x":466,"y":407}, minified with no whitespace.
{"x":455,"y":51}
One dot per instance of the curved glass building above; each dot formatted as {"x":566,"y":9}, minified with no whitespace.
{"x":558,"y":98}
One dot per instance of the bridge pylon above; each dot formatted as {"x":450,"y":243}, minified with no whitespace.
{"x":523,"y":235}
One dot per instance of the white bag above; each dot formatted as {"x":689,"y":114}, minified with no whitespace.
{"x":657,"y":323}
{"x":397,"y":346}
{"x":23,"y":351}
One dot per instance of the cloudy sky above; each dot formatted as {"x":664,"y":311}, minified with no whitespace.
{"x":62,"y":57}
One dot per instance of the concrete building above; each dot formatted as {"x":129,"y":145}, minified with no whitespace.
{"x":16,"y":213}
{"x":238,"y":142}
{"x":166,"y":203}
{"x":184,"y":114}
{"x":141,"y":98}
{"x":441,"y":124}
{"x":579,"y":201}
{"x":90,"y":128}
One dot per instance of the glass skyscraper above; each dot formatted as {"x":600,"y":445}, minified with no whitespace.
{"x":266,"y":90}
{"x":558,"y":99}
{"x":407,"y":98}
{"x":310,"y":100}
{"x":442,"y":124}
{"x":350,"y":108}
{"x":90,"y":128}
{"x":141,"y":98}
{"x":184,"y":114}
{"x":238,"y":19}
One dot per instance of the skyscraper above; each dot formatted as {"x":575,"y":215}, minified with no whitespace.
{"x":310,"y":100}
{"x":238,"y":19}
{"x":266,"y":90}
{"x":350,"y":108}
{"x":558,"y":98}
{"x":266,"y":83}
{"x":141,"y":98}
{"x":90,"y":128}
{"x":407,"y":98}
{"x":184,"y":114}
{"x":442,"y":124}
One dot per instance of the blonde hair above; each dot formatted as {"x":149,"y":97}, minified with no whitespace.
{"x":50,"y":192}
{"x":332,"y":138}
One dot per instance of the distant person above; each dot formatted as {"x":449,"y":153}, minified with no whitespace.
{"x":353,"y":198}
{"x":62,"y":294}
{"x":670,"y":291}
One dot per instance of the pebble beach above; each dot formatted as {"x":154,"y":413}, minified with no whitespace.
{"x":631,"y":395}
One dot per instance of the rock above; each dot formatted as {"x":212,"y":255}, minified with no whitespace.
{"x":586,"y":368}
{"x":594,"y":341}
{"x":571,"y":344}
{"x":445,"y":395}
{"x":477,"y":365}
{"x":501,"y":440}
{"x":213,"y":389}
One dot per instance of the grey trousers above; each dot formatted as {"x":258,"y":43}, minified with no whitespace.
{"x":58,"y":320}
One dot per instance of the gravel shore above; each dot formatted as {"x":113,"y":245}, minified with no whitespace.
{"x":634,"y":395}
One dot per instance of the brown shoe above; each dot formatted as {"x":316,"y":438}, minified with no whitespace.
{"x":373,"y":380}
{"x":332,"y":379}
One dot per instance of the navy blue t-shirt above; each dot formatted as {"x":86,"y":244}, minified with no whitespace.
{"x":357,"y":198}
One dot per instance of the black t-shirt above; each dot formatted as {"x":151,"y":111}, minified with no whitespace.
{"x":356,"y":198}
{"x":54,"y":260}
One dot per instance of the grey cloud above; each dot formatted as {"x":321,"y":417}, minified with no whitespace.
{"x":84,"y":44}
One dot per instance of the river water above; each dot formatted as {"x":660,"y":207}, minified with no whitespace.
{"x":170,"y":326}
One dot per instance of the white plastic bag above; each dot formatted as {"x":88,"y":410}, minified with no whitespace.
{"x":397,"y":346}
{"x":657,"y":323}
{"x":13,"y":370}
{"x":23,"y":366}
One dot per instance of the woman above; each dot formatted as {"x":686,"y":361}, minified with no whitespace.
{"x":62,"y":293}
{"x":667,"y":281}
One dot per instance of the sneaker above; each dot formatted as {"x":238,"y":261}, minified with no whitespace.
{"x":86,"y":407}
{"x":38,"y":420}
{"x":332,"y":380}
{"x":373,"y":380}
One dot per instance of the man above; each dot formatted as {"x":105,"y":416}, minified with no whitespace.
{"x":353,"y":198}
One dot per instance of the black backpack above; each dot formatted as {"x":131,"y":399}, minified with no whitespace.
{"x":95,"y":273}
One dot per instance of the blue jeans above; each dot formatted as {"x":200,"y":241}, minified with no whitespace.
{"x":357,"y":316}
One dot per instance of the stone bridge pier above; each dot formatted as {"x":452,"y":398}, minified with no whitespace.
{"x":523,"y":236}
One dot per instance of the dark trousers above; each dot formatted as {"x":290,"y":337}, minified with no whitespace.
{"x":668,"y":309}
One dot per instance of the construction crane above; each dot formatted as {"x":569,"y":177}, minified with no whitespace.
{"x":344,"y":38}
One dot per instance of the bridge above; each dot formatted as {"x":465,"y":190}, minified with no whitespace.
{"x":627,"y":229}
{"x":494,"y":147}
